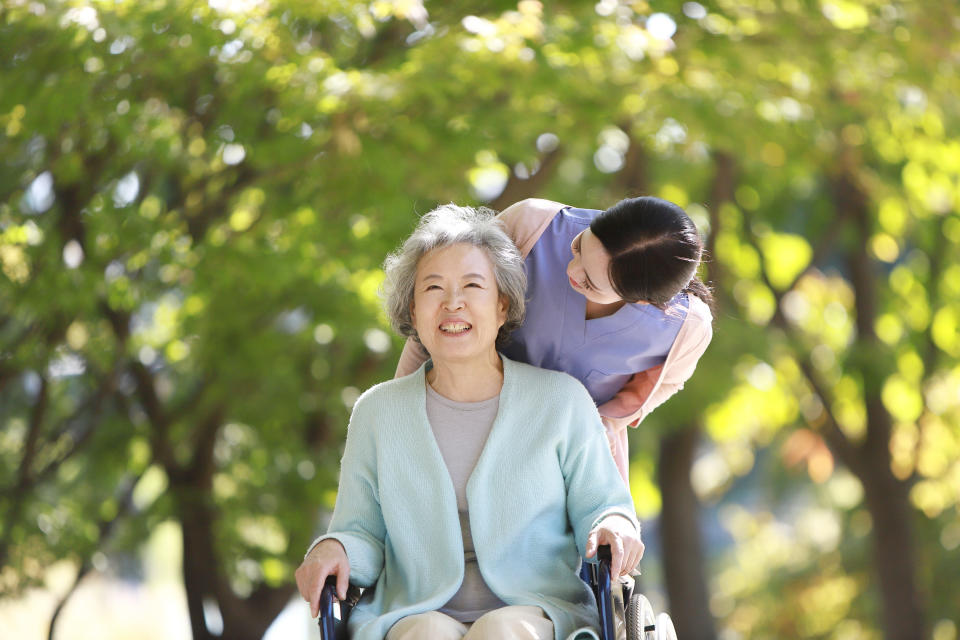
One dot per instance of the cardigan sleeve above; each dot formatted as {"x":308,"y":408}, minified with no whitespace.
{"x":357,"y":520}
{"x":647,"y":390}
{"x":593,"y":484}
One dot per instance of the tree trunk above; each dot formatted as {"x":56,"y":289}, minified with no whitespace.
{"x":680,"y":532}
{"x":893,"y":548}
{"x":243,"y":618}
{"x":199,"y":564}
{"x":887,"y":497}
{"x":680,"y":537}
{"x":633,"y":178}
{"x":683,"y":558}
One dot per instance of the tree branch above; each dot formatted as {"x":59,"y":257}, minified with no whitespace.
{"x":202,"y":464}
{"x":105,"y":529}
{"x":26,"y":462}
{"x":159,"y":421}
{"x":836,"y":439}
{"x":95,"y":405}
{"x":517,"y":189}
{"x":932,"y":355}
{"x":721,"y":192}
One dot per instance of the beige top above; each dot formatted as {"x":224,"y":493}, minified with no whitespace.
{"x":461,"y":430}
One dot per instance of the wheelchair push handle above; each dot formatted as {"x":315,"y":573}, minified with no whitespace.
{"x":604,"y":599}
{"x":604,"y":554}
{"x":328,"y":596}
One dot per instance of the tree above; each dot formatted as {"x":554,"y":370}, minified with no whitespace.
{"x":198,"y":198}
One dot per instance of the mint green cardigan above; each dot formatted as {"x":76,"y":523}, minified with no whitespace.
{"x":545,"y":478}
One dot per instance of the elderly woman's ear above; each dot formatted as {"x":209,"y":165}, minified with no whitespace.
{"x":503,"y":308}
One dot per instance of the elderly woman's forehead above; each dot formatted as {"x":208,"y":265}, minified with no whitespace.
{"x":454,"y":256}
{"x":460,"y":248}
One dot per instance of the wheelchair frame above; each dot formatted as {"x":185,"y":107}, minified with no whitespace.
{"x":597,"y":576}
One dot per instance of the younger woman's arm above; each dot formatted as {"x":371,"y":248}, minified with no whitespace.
{"x":647,"y":390}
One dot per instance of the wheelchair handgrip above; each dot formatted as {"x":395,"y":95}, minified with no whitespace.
{"x":604,"y":599}
{"x":328,"y":596}
{"x":604,"y":554}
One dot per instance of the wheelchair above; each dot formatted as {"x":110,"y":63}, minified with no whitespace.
{"x":624,"y":613}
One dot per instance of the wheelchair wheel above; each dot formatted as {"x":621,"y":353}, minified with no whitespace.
{"x":640,"y":620}
{"x":665,"y":630}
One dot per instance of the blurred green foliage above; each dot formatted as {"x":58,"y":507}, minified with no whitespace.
{"x":197,"y":196}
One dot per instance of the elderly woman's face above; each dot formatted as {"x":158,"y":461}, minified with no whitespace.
{"x":457,"y":308}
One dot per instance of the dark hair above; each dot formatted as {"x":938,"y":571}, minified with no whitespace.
{"x":654,"y":249}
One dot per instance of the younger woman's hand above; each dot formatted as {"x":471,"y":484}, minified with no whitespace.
{"x":328,"y":558}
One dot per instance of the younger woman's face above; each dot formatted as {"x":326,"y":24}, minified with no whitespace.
{"x":588,"y":269}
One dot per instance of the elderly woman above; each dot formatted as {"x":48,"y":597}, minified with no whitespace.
{"x":470,"y":489}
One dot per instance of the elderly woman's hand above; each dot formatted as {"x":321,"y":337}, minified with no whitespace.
{"x":328,"y":558}
{"x":626,"y":548}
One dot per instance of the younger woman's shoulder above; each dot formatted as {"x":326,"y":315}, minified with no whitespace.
{"x":698,"y":311}
{"x":525,"y":221}
{"x":532,"y":207}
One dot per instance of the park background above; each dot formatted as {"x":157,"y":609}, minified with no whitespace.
{"x":196,"y":197}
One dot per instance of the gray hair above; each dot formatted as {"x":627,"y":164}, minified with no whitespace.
{"x":447,"y":225}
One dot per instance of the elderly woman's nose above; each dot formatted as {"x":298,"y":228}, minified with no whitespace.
{"x":453,"y":298}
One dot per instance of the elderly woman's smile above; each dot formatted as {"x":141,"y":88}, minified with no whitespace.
{"x":457,"y":308}
{"x":454,"y":327}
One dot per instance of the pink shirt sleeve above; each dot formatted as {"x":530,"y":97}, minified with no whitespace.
{"x":526,"y":221}
{"x":412,"y":356}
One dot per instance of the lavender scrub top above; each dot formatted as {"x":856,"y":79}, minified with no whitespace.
{"x":602,"y":353}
